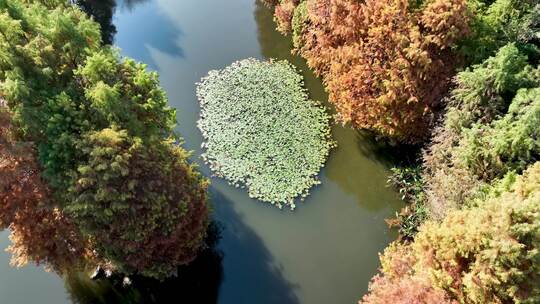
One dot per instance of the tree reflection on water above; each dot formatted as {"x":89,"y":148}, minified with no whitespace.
{"x":197,"y":282}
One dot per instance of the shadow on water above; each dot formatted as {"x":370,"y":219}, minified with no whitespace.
{"x":358,"y":175}
{"x":197,"y":282}
{"x":251,"y":273}
{"x":386,"y":153}
{"x":249,"y":266}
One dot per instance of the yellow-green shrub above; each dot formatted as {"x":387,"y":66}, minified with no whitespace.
{"x":488,"y":253}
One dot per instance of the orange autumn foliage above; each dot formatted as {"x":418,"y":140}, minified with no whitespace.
{"x":386,"y":64}
{"x":20,"y":184}
{"x":398,"y":285}
{"x":40,"y":233}
{"x":283,"y":14}
{"x":404,"y":291}
{"x":484,"y":253}
{"x":47,"y":237}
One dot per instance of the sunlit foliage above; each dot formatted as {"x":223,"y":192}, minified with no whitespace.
{"x":111,"y":165}
{"x":404,"y":291}
{"x":284,"y":12}
{"x":482,"y":242}
{"x":386,"y":64}
{"x":140,"y":202}
{"x":484,"y":254}
{"x":261,"y":130}
{"x":490,"y":128}
{"x":496,"y":23}
{"x":397,"y":283}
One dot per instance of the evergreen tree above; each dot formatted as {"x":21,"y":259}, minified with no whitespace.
{"x":106,"y":145}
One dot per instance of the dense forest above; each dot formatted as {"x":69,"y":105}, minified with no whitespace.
{"x":101,"y":173}
{"x":93,"y":174}
{"x":462,"y":78}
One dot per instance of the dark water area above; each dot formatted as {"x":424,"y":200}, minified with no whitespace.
{"x":323,"y":252}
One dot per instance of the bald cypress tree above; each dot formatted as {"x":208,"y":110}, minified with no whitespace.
{"x":105,"y":138}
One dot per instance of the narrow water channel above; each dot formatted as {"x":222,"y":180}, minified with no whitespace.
{"x":323,"y":252}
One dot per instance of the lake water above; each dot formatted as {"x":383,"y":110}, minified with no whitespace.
{"x":323,"y":252}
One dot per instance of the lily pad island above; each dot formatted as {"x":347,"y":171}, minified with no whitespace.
{"x":261,"y":131}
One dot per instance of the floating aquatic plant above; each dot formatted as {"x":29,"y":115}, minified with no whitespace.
{"x":261,"y":131}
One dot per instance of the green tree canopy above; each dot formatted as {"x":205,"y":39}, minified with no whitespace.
{"x":140,"y":202}
{"x":105,"y":139}
{"x":490,"y":128}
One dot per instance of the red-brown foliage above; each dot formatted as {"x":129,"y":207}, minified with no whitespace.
{"x":20,"y":183}
{"x":39,"y":232}
{"x":284,"y":14}
{"x":486,"y":253}
{"x":47,"y":237}
{"x":398,"y":283}
{"x":404,"y":291}
{"x":386,"y":64}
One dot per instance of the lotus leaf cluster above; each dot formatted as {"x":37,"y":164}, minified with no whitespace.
{"x":261,"y":131}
